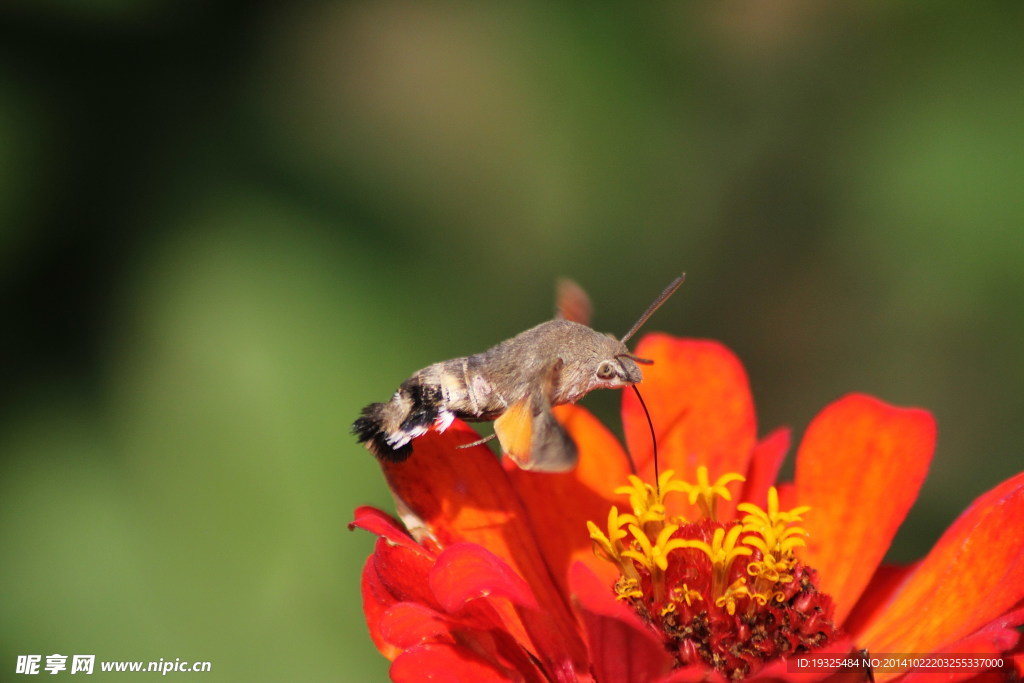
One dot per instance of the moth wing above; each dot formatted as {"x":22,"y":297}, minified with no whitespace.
{"x":514,"y":430}
{"x":551,"y":449}
{"x":572,"y":303}
{"x":530,"y":434}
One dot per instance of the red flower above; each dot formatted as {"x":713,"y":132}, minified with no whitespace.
{"x":494,"y":575}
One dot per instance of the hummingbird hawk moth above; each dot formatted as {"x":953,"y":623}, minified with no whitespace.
{"x":515,"y":384}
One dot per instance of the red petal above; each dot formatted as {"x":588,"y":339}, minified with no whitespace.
{"x":787,"y":495}
{"x":491,"y":627}
{"x":466,"y":571}
{"x":987,"y":677}
{"x":859,"y":468}
{"x":403,"y":572}
{"x":693,"y":674}
{"x":559,"y":505}
{"x":886,"y":580}
{"x":396,"y":571}
{"x":974,"y":573}
{"x":622,"y":648}
{"x":765,"y":462}
{"x":465,"y":495}
{"x":444,"y":662}
{"x":384,"y":525}
{"x":376,"y":601}
{"x":990,"y":642}
{"x":700,"y":403}
{"x":407,"y":624}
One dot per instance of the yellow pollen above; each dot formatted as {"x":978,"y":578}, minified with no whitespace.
{"x":653,"y":556}
{"x":705,"y":494}
{"x":772,"y":569}
{"x":686,"y":594}
{"x":626,"y":589}
{"x":737,"y":590}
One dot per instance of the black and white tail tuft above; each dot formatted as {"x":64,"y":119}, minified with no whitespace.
{"x":388,"y":429}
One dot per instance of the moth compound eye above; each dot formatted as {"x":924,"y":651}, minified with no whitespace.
{"x":606,"y":370}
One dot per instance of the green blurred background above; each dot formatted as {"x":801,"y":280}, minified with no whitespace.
{"x":227,"y":226}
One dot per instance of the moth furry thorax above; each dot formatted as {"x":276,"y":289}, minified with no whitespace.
{"x":515,"y":383}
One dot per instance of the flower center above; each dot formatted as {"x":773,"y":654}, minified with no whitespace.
{"x":733,"y":594}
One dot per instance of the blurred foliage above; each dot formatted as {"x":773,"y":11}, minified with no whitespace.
{"x":226,"y":226}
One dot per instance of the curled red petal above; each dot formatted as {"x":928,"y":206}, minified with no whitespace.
{"x":384,"y":525}
{"x":974,"y":574}
{"x":700,"y":403}
{"x":403,"y":572}
{"x":859,"y":468}
{"x":467,"y":571}
{"x":621,"y":647}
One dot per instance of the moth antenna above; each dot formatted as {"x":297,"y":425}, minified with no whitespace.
{"x":654,"y":443}
{"x":669,"y":291}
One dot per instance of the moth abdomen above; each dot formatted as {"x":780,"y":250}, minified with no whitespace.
{"x":388,"y":429}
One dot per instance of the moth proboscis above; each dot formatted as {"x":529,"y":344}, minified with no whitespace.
{"x":516,"y":384}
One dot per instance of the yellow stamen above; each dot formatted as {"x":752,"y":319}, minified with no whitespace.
{"x":610,"y":546}
{"x":705,"y":494}
{"x":648,"y":502}
{"x":775,"y":590}
{"x":770,"y":532}
{"x":654,"y":556}
{"x":772,"y":515}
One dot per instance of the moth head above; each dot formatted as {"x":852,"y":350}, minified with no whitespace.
{"x":617,"y":367}
{"x":620,"y":367}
